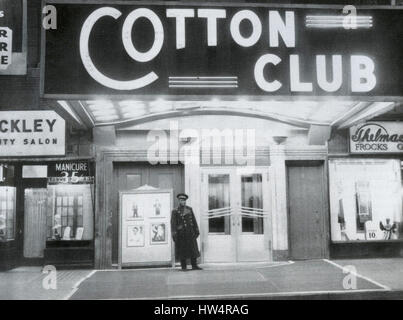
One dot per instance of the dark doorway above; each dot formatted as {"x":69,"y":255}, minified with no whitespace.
{"x":128,"y":176}
{"x":307,"y":210}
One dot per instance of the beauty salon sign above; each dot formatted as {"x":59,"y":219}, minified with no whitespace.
{"x":31,"y":133}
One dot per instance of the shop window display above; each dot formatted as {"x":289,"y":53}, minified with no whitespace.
{"x":71,"y":212}
{"x":365,"y":200}
{"x":7,"y":213}
{"x":7,"y":203}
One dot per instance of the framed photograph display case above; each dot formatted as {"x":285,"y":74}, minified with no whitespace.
{"x":152,"y":245}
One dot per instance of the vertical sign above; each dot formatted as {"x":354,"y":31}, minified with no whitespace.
{"x":13,"y":44}
{"x":6,"y":45}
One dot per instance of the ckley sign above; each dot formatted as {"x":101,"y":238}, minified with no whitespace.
{"x":177,"y":49}
{"x":31,"y":133}
{"x":377,"y":137}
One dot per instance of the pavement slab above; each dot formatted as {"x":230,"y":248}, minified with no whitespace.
{"x":302,"y":277}
{"x":314,"y":279}
{"x":26,"y":283}
{"x":388,"y":272}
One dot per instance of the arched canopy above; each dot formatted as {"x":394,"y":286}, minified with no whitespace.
{"x":335,"y":113}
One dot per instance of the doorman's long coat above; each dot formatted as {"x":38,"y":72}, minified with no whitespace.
{"x":185,"y":232}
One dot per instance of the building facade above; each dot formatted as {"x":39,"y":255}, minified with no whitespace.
{"x":232,"y":104}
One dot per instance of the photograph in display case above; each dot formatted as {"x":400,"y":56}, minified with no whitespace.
{"x":157,"y":208}
{"x":158,"y":233}
{"x":134,"y":210}
{"x":135,"y":235}
{"x":160,"y":207}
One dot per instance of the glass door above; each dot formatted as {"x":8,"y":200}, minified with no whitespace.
{"x":235,"y":219}
{"x":253,"y":240}
{"x":218,"y":239}
{"x":35,"y":205}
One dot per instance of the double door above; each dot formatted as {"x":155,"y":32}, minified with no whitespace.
{"x":236,"y":218}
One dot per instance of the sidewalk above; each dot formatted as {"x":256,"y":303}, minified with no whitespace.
{"x":317,"y":279}
{"x":26,"y":283}
{"x":293,"y":280}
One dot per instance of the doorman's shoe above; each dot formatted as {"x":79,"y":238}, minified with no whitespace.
{"x":196,"y":268}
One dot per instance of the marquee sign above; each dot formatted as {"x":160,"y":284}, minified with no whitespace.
{"x":201,"y":49}
{"x":31,"y":133}
{"x":377,"y":137}
{"x":13,"y":53}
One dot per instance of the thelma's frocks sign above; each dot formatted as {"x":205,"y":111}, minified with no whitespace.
{"x":377,"y":137}
{"x":31,"y":133}
{"x":185,"y":49}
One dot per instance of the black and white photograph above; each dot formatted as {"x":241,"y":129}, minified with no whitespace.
{"x":158,"y":234}
{"x":177,"y":151}
{"x":135,"y":235}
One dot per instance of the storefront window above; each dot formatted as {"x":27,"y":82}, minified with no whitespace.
{"x":7,"y":213}
{"x":365,"y":199}
{"x":71,"y":212}
{"x":7,"y":203}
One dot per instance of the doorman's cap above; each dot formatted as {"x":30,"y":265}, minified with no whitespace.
{"x":182,"y":196}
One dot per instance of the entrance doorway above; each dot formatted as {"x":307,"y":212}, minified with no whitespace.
{"x":35,"y":203}
{"x":32,"y":221}
{"x":307,"y":210}
{"x":236,"y":219}
{"x":130,"y":176}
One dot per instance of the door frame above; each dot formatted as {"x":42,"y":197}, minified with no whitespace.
{"x":325,"y":202}
{"x":267,"y":188}
{"x":26,"y":183}
{"x":113,"y":204}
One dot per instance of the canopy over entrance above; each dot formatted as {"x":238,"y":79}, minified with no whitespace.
{"x":335,"y":114}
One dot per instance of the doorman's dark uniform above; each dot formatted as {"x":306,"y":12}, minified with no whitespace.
{"x":185,"y":232}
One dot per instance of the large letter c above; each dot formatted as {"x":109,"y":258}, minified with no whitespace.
{"x":89,"y":65}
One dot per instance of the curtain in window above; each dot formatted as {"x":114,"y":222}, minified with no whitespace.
{"x":35,"y":223}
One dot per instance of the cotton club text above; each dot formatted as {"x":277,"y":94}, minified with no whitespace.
{"x":282,"y":32}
